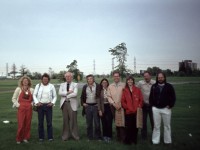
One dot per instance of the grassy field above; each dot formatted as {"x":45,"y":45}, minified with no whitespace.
{"x":185,"y":123}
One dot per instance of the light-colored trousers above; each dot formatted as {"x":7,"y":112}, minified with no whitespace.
{"x":70,"y":126}
{"x":158,"y":115}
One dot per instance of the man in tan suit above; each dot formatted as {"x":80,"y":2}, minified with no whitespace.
{"x":69,"y":105}
{"x":114,"y":97}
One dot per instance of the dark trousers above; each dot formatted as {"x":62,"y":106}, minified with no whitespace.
{"x":147,"y":110}
{"x":106,"y":121}
{"x":44,"y":110}
{"x":131,"y":130}
{"x":121,"y":134}
{"x":93,"y":116}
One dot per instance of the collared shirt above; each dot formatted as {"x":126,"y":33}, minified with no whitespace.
{"x":145,"y":88}
{"x":105,"y":96}
{"x":91,"y":94}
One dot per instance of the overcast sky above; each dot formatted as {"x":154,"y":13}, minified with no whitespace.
{"x":52,"y":33}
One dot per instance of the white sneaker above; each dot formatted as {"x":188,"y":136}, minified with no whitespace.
{"x":50,"y":140}
{"x":18,"y":142}
{"x":41,"y":140}
{"x":25,"y":141}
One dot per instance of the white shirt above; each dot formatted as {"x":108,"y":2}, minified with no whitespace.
{"x":40,"y":89}
{"x":91,"y":94}
{"x":45,"y":95}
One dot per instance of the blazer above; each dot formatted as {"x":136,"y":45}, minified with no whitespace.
{"x":16,"y":94}
{"x":71,"y":97}
{"x":101,"y":101}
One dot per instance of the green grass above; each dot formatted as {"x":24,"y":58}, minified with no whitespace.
{"x":185,"y":121}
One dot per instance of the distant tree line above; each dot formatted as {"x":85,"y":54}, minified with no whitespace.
{"x":119,"y":53}
{"x":72,"y":67}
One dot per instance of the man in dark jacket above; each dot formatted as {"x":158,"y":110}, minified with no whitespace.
{"x":89,"y":100}
{"x":162,"y":99}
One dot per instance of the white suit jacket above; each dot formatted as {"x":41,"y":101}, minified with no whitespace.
{"x":71,"y":97}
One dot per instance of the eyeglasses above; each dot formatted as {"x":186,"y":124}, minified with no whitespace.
{"x":116,"y":76}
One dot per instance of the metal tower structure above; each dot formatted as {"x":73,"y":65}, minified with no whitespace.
{"x":6,"y":69}
{"x":135,"y":71}
{"x":94,"y":72}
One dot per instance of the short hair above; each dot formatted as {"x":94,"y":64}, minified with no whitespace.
{"x":69,"y":73}
{"x":46,"y":76}
{"x":147,"y":72}
{"x":90,"y":75}
{"x":21,"y":81}
{"x":115,"y":72}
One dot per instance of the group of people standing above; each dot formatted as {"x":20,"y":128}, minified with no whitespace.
{"x":24,"y":98}
{"x":102,"y":103}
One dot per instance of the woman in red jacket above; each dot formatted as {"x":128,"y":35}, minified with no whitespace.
{"x":131,"y":100}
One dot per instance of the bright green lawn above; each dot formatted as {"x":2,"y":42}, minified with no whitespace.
{"x":185,"y":121}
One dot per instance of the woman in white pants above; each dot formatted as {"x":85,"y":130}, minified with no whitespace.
{"x":162,"y":98}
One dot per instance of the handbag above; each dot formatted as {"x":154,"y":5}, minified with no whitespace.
{"x":139,"y":118}
{"x":120,"y":118}
{"x":34,"y":107}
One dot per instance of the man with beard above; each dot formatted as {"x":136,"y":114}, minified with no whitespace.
{"x":162,"y":99}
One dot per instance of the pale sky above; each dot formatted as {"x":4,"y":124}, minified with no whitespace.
{"x":52,"y":33}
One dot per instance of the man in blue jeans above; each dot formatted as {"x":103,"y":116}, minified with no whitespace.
{"x":89,"y":100}
{"x":45,"y":98}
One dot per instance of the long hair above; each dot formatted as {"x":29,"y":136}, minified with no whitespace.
{"x":20,"y":83}
{"x":128,"y":78}
{"x":104,"y":79}
{"x":165,"y":80}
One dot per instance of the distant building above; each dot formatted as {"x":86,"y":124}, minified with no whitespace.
{"x":187,"y":64}
{"x":142,"y":72}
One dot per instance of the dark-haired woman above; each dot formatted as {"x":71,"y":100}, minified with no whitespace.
{"x":131,"y":100}
{"x":105,"y":112}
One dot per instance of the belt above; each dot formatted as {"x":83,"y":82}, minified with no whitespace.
{"x":91,"y":104}
{"x":45,"y":103}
